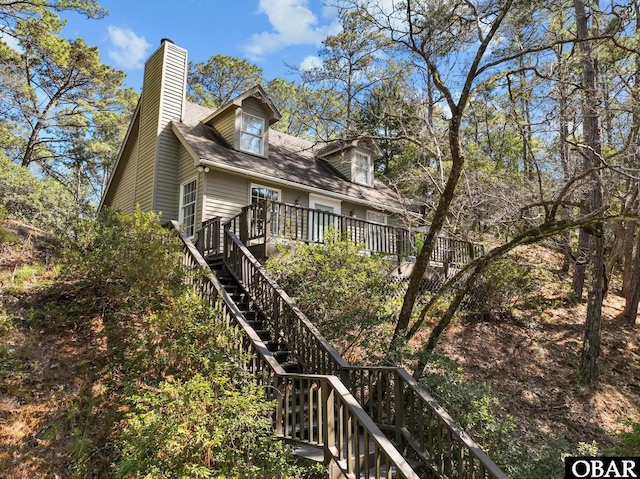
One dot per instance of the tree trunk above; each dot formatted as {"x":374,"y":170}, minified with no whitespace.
{"x":422,"y":261}
{"x":633,"y":295}
{"x":628,"y":258}
{"x":580,"y":266}
{"x":588,"y":369}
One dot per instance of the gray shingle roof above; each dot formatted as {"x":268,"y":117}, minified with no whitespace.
{"x":290,"y":158}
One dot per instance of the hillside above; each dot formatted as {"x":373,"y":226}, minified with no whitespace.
{"x":98,"y":379}
{"x":60,"y":406}
{"x":529,"y":358}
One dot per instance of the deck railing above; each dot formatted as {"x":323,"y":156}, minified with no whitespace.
{"x":391,"y":397}
{"x":263,"y":221}
{"x":311,"y":409}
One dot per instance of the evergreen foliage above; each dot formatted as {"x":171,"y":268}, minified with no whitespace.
{"x":346,"y":293}
{"x":40,"y":202}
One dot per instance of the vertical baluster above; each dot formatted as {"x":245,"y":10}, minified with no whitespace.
{"x":462,"y":470}
{"x":351,"y":442}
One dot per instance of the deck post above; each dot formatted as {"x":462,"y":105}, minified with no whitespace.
{"x":266,"y":221}
{"x":245,"y":219}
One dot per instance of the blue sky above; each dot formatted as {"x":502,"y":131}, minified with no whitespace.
{"x":270,"y":33}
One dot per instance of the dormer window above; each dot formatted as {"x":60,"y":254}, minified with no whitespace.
{"x":362,"y":169}
{"x":252,"y":134}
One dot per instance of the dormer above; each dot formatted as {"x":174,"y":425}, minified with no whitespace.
{"x":352,"y":158}
{"x":244,"y":121}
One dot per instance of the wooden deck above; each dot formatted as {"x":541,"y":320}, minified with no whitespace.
{"x":262,"y":225}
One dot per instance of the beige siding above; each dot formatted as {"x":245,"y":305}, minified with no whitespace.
{"x":254,"y":107}
{"x":173,"y":89}
{"x":149,"y":109}
{"x":290,"y":196}
{"x":187,"y":171}
{"x":359,"y":211}
{"x":341,"y":161}
{"x":225,"y":194}
{"x":122,"y":189}
{"x":226,"y":125}
{"x":125,"y":191}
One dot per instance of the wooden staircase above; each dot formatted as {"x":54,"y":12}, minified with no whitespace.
{"x":368,"y":422}
{"x":274,"y":341}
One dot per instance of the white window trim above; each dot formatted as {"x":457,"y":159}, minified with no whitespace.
{"x":262,"y":137}
{"x":182,"y":205}
{"x":324,"y":200}
{"x":354,"y":167}
{"x":315,"y":200}
{"x":256,"y":185}
{"x":371,"y":213}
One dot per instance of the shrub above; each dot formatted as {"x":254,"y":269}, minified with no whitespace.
{"x":347,"y":294}
{"x":126,"y":258}
{"x":629,"y":440}
{"x":202,"y":427}
{"x":470,"y":402}
{"x":498,"y":289}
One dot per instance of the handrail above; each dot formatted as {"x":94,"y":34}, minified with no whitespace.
{"x":394,"y":399}
{"x":301,"y":334}
{"x":399,"y":404}
{"x":312,"y":409}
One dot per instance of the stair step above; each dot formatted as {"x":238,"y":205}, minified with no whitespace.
{"x":251,"y":316}
{"x":264,"y":334}
{"x":291,"y":367}
{"x":215,"y":264}
{"x":275,"y":345}
{"x":282,"y":356}
{"x":232,"y":289}
{"x":255,"y":323}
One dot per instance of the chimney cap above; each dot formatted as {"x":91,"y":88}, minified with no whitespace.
{"x":168,"y":40}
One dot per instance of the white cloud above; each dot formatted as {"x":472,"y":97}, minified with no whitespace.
{"x":293,"y":24}
{"x":310,"y":62}
{"x":128,"y":49}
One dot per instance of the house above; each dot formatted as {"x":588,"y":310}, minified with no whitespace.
{"x":195,"y":164}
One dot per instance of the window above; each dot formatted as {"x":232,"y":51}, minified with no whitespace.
{"x":252,"y":134}
{"x":362,"y":169}
{"x":376,"y":217}
{"x":188,"y":206}
{"x":258,"y":194}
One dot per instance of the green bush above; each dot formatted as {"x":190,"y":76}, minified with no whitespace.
{"x":126,"y":258}
{"x":204,"y":427}
{"x":347,"y":294}
{"x":629,"y":440}
{"x":470,"y":402}
{"x":44,"y":203}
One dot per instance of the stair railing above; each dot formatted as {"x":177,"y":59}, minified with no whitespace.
{"x":311,"y":409}
{"x":399,"y":405}
{"x":208,"y":237}
{"x":283,"y":315}
{"x":394,"y":399}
